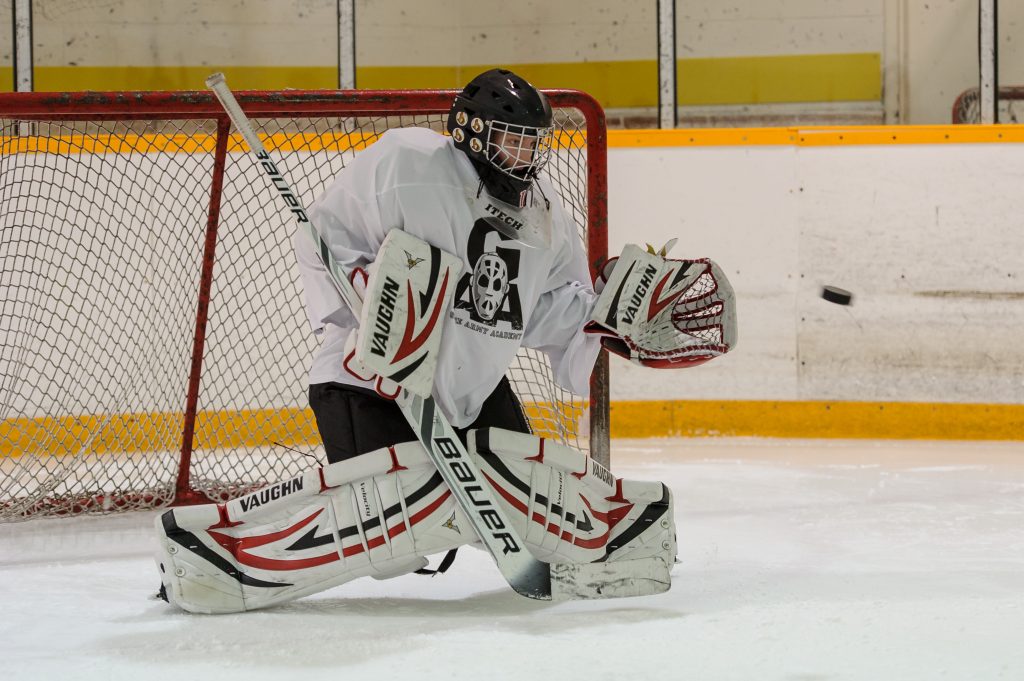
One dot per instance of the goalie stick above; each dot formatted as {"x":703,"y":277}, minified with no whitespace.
{"x":525,"y":574}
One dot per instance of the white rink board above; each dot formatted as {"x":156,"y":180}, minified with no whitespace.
{"x":927,"y":237}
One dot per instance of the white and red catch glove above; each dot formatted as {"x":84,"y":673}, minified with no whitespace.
{"x":408,"y":290}
{"x":664,"y":313}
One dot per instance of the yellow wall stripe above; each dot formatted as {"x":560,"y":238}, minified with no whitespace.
{"x":616,"y":84}
{"x":780,"y":79}
{"x":640,"y":419}
{"x":73,"y":78}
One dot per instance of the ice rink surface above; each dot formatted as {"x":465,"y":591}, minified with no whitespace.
{"x":800,"y":560}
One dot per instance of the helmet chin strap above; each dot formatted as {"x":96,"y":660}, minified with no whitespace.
{"x":514,"y":192}
{"x":529,"y":227}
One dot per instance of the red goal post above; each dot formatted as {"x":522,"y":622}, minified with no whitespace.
{"x":154,"y":341}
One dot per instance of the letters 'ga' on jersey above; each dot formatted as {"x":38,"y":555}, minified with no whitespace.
{"x":509,"y":294}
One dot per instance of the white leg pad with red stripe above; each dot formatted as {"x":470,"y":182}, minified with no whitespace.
{"x":379,"y":514}
{"x":301,"y":536}
{"x":605,"y":536}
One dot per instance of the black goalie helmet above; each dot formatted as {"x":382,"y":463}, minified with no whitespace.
{"x":503,"y":124}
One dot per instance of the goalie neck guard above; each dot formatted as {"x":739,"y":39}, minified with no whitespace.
{"x":503,"y":124}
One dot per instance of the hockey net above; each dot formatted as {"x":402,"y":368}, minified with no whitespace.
{"x":154,"y":341}
{"x":1009,"y":105}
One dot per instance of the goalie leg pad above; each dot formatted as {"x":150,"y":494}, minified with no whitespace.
{"x":603,"y":535}
{"x":376,"y":514}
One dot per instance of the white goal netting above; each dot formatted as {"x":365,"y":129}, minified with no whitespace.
{"x":153,"y":342}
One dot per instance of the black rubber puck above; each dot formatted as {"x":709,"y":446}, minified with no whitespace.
{"x":836,"y":295}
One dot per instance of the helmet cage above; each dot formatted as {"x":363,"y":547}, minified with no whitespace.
{"x":520,"y":151}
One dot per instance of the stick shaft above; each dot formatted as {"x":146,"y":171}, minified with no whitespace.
{"x":219,"y":85}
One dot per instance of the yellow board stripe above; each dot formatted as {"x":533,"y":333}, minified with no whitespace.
{"x":203,"y":143}
{"x":818,"y":136}
{"x":683,"y":137}
{"x":616,"y":84}
{"x":814,"y":419}
{"x":146,"y":432}
{"x":641,"y":419}
{"x":161,"y":431}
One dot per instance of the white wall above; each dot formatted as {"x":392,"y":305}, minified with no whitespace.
{"x":927,"y":237}
{"x":932,"y":45}
{"x":190,"y":33}
{"x":440,"y":32}
{"x":446,"y":32}
{"x":6,"y":36}
{"x":709,"y":28}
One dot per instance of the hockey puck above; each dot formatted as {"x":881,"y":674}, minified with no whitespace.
{"x":836,"y":295}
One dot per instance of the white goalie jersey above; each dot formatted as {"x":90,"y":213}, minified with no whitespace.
{"x":509,"y":295}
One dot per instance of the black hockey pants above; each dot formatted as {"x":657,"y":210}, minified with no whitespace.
{"x":355,"y":421}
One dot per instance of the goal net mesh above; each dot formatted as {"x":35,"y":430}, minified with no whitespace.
{"x":105,"y":227}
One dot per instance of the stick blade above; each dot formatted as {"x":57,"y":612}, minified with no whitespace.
{"x":534,"y":581}
{"x":588,"y":581}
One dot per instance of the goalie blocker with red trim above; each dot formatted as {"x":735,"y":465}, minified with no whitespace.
{"x":662,"y":312}
{"x":379,"y":514}
{"x":408,"y":289}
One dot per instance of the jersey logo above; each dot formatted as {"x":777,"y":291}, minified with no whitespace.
{"x":489,"y":292}
{"x":489,"y":285}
